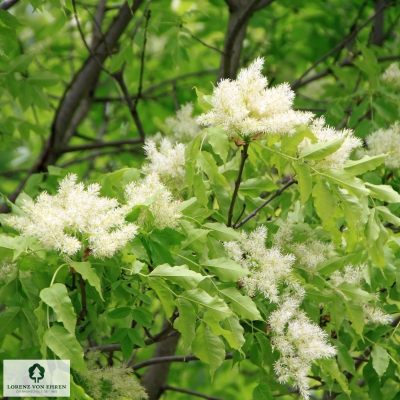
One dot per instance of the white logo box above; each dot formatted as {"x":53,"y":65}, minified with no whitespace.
{"x":36,"y":378}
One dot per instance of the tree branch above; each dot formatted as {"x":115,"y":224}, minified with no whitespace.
{"x":338,"y":47}
{"x":168,"y":359}
{"x":99,"y":145}
{"x":5,"y":5}
{"x":237,"y":183}
{"x":290,"y":182}
{"x":190,"y":392}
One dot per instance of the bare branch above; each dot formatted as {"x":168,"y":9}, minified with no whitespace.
{"x":338,"y":47}
{"x":205,"y":44}
{"x":5,"y":5}
{"x":290,"y":182}
{"x":99,"y":145}
{"x":191,"y":392}
{"x":168,"y":359}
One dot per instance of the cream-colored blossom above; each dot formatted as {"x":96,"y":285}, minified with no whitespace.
{"x":354,"y":275}
{"x":268,"y":267}
{"x":65,"y":222}
{"x":299,"y":341}
{"x":112,"y":383}
{"x":168,"y":162}
{"x":284,"y":235}
{"x":7,"y":269}
{"x":247,"y":107}
{"x":385,"y":141}
{"x":311,"y":252}
{"x":184,"y":126}
{"x":152,"y":193}
{"x":325,"y":133}
{"x":391,"y":75}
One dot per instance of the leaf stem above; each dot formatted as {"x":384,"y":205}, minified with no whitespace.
{"x":289,"y":183}
{"x":237,"y":183}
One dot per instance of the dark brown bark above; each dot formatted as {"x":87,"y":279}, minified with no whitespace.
{"x":156,"y":375}
{"x":379,"y":23}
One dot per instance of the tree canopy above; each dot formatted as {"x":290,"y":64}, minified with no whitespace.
{"x":201,"y":198}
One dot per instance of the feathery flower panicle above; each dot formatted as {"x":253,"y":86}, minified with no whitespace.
{"x":299,"y":341}
{"x":62,"y":222}
{"x":391,"y":75}
{"x":284,"y":235}
{"x":117,"y":382}
{"x":168,"y":162}
{"x":354,"y":275}
{"x":184,"y":126}
{"x":386,"y":141}
{"x":7,"y":269}
{"x":150,"y":191}
{"x":247,"y":107}
{"x":268,"y":267}
{"x":325,"y":133}
{"x":311,"y":252}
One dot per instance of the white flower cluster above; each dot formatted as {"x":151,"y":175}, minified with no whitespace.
{"x":354,"y":275}
{"x":391,"y":75}
{"x":184,"y":126}
{"x":74,"y":216}
{"x":152,"y":193}
{"x":247,"y":107}
{"x":311,"y":252}
{"x":386,"y":141}
{"x":7,"y":269}
{"x":325,"y":133}
{"x":300,"y":342}
{"x":168,"y":162}
{"x":268,"y":267}
{"x":114,"y":383}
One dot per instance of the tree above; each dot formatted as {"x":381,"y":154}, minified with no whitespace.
{"x":249,"y":230}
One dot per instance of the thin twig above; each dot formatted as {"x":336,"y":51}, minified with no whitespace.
{"x":83,"y":312}
{"x":168,"y":359}
{"x":190,"y":392}
{"x":237,"y":183}
{"x":205,"y":44}
{"x":289,"y":183}
{"x":5,"y":5}
{"x":99,"y":145}
{"x":339,"y":46}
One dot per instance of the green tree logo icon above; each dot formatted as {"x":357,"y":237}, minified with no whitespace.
{"x":36,"y":372}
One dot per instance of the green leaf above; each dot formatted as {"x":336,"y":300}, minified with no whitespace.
{"x":232,"y":324}
{"x":88,"y":273}
{"x":30,"y":325}
{"x":20,"y":63}
{"x":214,"y":305}
{"x":226,"y":269}
{"x":207,"y":163}
{"x":196,"y":239}
{"x":255,"y":186}
{"x":160,"y":254}
{"x":208,"y":348}
{"x":344,"y":358}
{"x":355,"y":314}
{"x":324,"y":201}
{"x":167,"y":236}
{"x":243,"y":305}
{"x":200,"y":189}
{"x":380,"y":359}
{"x":135,"y":337}
{"x":219,"y":142}
{"x":304,"y":182}
{"x":186,"y":322}
{"x":165,"y":295}
{"x":43,"y":78}
{"x":9,"y":20}
{"x":330,"y":265}
{"x":56,"y":296}
{"x":384,"y":193}
{"x":218,"y":330}
{"x":354,"y":292}
{"x":262,"y":392}
{"x":66,"y":347}
{"x":119,"y":313}
{"x":31,"y":290}
{"x":221,"y":231}
{"x":9,"y":321}
{"x":331,"y":368}
{"x":365,"y":164}
{"x":205,"y":101}
{"x":77,"y":392}
{"x":181,"y":275}
{"x":388,"y":216}
{"x":319,"y":151}
{"x":346,"y":180}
